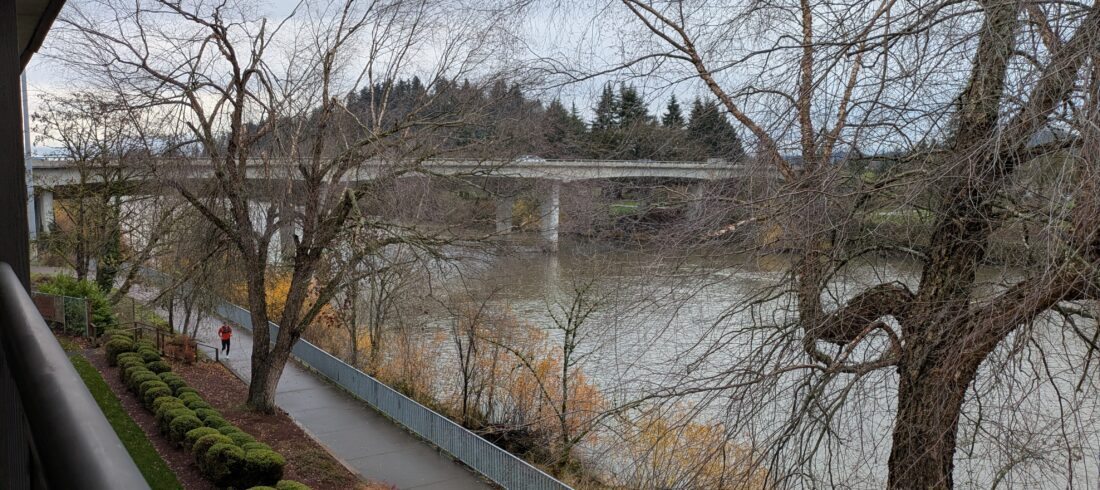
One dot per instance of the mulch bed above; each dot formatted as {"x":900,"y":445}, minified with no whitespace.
{"x":307,"y":461}
{"x":181,"y":461}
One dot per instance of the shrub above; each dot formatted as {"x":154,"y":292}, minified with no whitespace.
{"x":241,"y":438}
{"x":153,"y":393}
{"x":290,"y":485}
{"x":165,"y":417}
{"x":125,"y":362}
{"x":149,"y":355}
{"x":262,"y":467}
{"x":128,"y":355}
{"x":204,"y":443}
{"x":135,"y":381}
{"x":248,"y":446}
{"x":229,"y":429}
{"x":180,"y":426}
{"x":64,"y":285}
{"x":193,"y":435}
{"x":115,"y":347}
{"x":166,"y":400}
{"x":146,"y":385}
{"x":190,"y":396}
{"x":173,"y":380}
{"x":263,"y":487}
{"x":198,"y":405}
{"x":205,"y":413}
{"x":186,"y":389}
{"x":216,"y":422}
{"x":222,"y":462}
{"x":130,"y":371}
{"x":145,"y":344}
{"x":118,"y":333}
{"x":159,"y":367}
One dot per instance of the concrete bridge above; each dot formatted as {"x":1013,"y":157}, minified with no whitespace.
{"x":49,"y":173}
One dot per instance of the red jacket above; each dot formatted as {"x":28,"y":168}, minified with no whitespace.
{"x":225,"y":332}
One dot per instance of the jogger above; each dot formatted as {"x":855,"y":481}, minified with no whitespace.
{"x":226,"y":333}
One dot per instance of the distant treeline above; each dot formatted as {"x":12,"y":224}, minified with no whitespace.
{"x":500,"y":119}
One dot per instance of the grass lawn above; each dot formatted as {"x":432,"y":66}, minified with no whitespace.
{"x":152,"y":467}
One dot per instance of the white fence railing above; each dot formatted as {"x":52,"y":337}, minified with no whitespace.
{"x":486,"y":458}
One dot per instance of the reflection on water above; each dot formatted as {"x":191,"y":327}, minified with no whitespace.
{"x":666,"y":319}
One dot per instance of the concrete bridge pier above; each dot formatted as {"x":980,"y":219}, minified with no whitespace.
{"x":505,"y":206}
{"x":44,"y":204}
{"x":549,"y":214}
{"x":695,"y":206}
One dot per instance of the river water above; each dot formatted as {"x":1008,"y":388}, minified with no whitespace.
{"x":673,"y":321}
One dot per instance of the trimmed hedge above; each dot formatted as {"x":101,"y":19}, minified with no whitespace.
{"x":115,"y":347}
{"x":180,"y":426}
{"x":226,"y":455}
{"x":167,"y":416}
{"x":204,"y":443}
{"x":262,"y":467}
{"x":241,"y":438}
{"x":159,"y":367}
{"x":205,"y":413}
{"x":215,"y":422}
{"x":222,"y":463}
{"x":196,"y":433}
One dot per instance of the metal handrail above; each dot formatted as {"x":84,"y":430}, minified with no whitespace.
{"x":74,"y":444}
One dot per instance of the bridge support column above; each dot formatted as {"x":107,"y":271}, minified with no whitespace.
{"x":695,"y":206}
{"x":549,"y":214}
{"x":505,"y":205}
{"x":44,"y":204}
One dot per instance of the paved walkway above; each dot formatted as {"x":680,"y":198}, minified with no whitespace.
{"x":364,"y":440}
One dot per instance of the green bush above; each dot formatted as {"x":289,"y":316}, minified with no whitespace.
{"x":119,"y":333}
{"x":125,"y":374}
{"x":263,"y":487}
{"x":216,"y":422}
{"x":248,"y":446}
{"x":166,"y":400}
{"x":146,"y":385}
{"x":149,"y":355}
{"x":116,"y":347}
{"x":222,"y":463}
{"x":186,"y":389}
{"x":153,"y":393}
{"x":290,"y":485}
{"x":241,"y":438}
{"x":63,"y":285}
{"x":165,"y":417}
{"x":135,"y":381}
{"x":125,"y":361}
{"x":193,"y":435}
{"x":180,"y":426}
{"x":173,"y":380}
{"x":145,"y":344}
{"x":204,"y":443}
{"x":229,"y":429}
{"x":190,"y":396}
{"x":128,"y":355}
{"x":198,"y":405}
{"x":159,"y":367}
{"x":205,"y":413}
{"x":262,"y":467}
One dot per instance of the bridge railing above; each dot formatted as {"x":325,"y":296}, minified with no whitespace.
{"x":486,"y":458}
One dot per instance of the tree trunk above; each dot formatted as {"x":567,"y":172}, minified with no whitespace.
{"x":929,"y":404}
{"x":266,"y":371}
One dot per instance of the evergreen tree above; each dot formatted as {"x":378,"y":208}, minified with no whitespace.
{"x":673,"y":117}
{"x":712,"y":132}
{"x":607,"y":110}
{"x":632,"y":109}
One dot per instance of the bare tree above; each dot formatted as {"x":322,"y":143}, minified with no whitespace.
{"x":261,"y":105}
{"x":816,"y":83}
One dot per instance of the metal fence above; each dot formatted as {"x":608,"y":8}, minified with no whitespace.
{"x":483,"y":456}
{"x":69,"y":314}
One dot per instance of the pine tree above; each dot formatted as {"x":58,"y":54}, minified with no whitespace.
{"x":673,"y":117}
{"x":632,"y":109}
{"x":712,"y":132}
{"x":607,"y":109}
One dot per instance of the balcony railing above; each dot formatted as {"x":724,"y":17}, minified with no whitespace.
{"x":54,"y":434}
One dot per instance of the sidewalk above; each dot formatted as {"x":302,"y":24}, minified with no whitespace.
{"x":364,"y":440}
